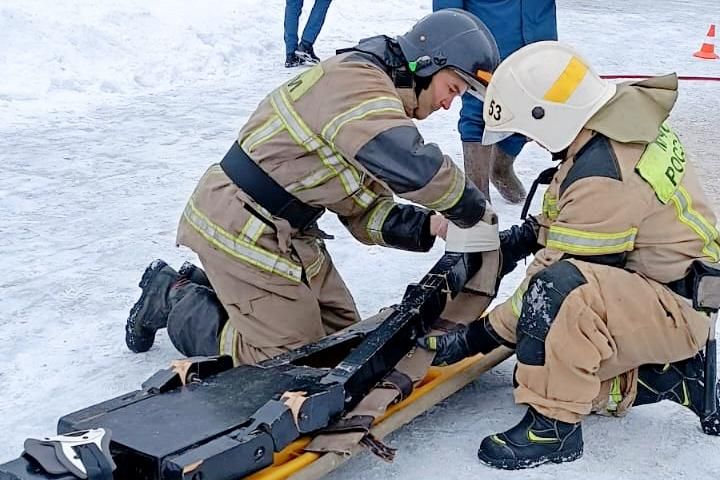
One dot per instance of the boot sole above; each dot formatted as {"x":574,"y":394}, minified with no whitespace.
{"x":148,"y":275}
{"x":511,"y":464}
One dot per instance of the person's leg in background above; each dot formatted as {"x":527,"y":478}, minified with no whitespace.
{"x":502,"y":171}
{"x":293,"y":8}
{"x":486,"y":163}
{"x":311,"y":31}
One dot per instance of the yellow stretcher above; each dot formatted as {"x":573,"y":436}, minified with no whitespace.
{"x":295,"y":463}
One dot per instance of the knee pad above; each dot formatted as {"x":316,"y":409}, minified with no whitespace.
{"x":546,"y":293}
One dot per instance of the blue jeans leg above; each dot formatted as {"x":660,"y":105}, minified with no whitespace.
{"x":292,"y":20}
{"x":315,"y":21}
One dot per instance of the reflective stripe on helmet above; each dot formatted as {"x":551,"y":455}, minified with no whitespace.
{"x":568,"y":81}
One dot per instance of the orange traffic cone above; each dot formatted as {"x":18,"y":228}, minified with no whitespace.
{"x":707,"y":50}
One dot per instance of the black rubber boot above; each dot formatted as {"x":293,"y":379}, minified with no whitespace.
{"x":150,"y":312}
{"x":534,"y":441}
{"x":194,"y":273}
{"x":305,"y":52}
{"x":196,"y":320}
{"x":682,"y":382}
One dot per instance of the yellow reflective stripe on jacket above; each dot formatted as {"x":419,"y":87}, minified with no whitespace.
{"x":253,"y":229}
{"x":228,"y":342}
{"x":313,"y":180}
{"x":549,"y":206}
{"x":239,"y":247}
{"x":452,"y":195}
{"x":315,"y":267}
{"x":662,"y":164}
{"x":298,"y":86}
{"x":377,"y":219}
{"x":686,"y":214}
{"x":358,"y":112}
{"x":262,"y":134}
{"x":581,"y":242}
{"x":337,"y":166}
{"x":517,"y":299}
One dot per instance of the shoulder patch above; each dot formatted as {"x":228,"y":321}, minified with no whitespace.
{"x":595,"y":159}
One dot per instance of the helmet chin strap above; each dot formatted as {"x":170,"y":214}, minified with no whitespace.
{"x":421,"y":83}
{"x":561,"y":154}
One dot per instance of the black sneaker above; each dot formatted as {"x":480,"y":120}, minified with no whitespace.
{"x":293,"y":60}
{"x":305,"y":51}
{"x":150,"y":312}
{"x":682,"y":382}
{"x":194,"y":273}
{"x":534,"y":441}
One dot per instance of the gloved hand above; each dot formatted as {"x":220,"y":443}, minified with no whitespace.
{"x":518,"y":242}
{"x":450,"y":348}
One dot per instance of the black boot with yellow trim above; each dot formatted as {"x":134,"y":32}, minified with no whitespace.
{"x":682,"y":382}
{"x":534,"y":441}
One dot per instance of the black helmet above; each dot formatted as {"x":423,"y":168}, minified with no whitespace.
{"x":452,"y":38}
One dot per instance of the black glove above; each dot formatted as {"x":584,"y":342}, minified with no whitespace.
{"x":518,"y":242}
{"x":450,"y":348}
{"x":465,"y":341}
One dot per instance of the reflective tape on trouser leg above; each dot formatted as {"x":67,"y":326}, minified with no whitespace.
{"x":545,"y":295}
{"x":195,"y":322}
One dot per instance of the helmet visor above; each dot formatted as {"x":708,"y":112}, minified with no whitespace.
{"x":491,"y":138}
{"x":477,"y":84}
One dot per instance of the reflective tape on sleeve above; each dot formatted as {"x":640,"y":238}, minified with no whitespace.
{"x":377,"y":219}
{"x":369,"y":107}
{"x":705,"y":230}
{"x":581,"y":242}
{"x":452,"y":195}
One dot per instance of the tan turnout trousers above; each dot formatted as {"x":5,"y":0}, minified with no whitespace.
{"x":263,"y":323}
{"x":606,"y":327}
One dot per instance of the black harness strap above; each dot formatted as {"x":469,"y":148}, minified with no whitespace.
{"x":95,"y":463}
{"x":254,"y":181}
{"x":544,"y":178}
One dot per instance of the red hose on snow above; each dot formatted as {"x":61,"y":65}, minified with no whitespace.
{"x":680,"y":77}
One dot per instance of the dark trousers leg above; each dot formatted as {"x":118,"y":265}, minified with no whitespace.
{"x":195,"y":322}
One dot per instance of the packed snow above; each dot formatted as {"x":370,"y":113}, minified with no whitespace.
{"x":111,"y":111}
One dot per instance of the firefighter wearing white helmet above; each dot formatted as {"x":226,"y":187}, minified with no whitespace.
{"x":603,"y":319}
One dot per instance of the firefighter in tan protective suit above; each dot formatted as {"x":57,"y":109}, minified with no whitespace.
{"x":340,"y":136}
{"x":602,"y":320}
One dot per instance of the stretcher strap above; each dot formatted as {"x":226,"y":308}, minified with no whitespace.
{"x":353,"y":428}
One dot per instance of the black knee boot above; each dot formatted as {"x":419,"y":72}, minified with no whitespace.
{"x":682,"y":382}
{"x":150,"y":312}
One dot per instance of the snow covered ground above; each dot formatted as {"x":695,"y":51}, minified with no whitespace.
{"x":110,"y":112}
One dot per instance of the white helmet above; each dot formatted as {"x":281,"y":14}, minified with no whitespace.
{"x":545,"y":91}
